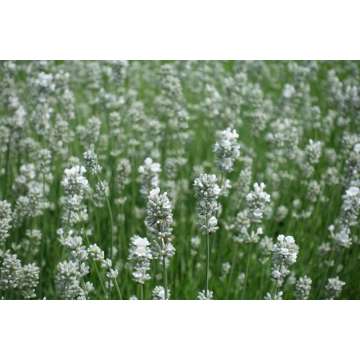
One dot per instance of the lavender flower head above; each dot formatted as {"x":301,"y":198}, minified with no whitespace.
{"x":159,"y":222}
{"x":303,"y":288}
{"x":284,"y":254}
{"x":149,"y":175}
{"x":76,"y":187}
{"x":226,"y":149}
{"x":257,"y":200}
{"x":203,"y":296}
{"x":91,"y":162}
{"x":74,"y":180}
{"x":334,"y":287}
{"x":140,"y":256}
{"x":207,"y":193}
{"x":159,"y":293}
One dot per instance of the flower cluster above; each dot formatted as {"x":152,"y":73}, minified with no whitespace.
{"x":111,"y":273}
{"x":303,"y":288}
{"x":5,"y":221}
{"x":284,"y":254}
{"x":341,"y":230}
{"x":207,"y":192}
{"x":159,"y":293}
{"x":32,"y":189}
{"x":91,"y":162}
{"x":76,"y":188}
{"x":89,"y":133}
{"x":71,"y":273}
{"x":21,"y":280}
{"x":70,"y":276}
{"x":284,"y":136}
{"x":123,"y":178}
{"x":171,"y":107}
{"x":257,"y":200}
{"x":275,"y":296}
{"x":313,"y":151}
{"x":351,"y":205}
{"x":101,"y":191}
{"x":140,"y":256}
{"x":69,"y":280}
{"x":227,"y":149}
{"x":202,"y":295}
{"x":149,"y":175}
{"x":334,"y":287}
{"x":159,"y":222}
{"x":247,"y":224}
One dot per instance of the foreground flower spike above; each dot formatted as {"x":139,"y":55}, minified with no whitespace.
{"x":69,"y":281}
{"x":334,"y":287}
{"x":71,"y":273}
{"x":76,"y":188}
{"x":159,"y":222}
{"x":207,"y":192}
{"x":21,"y":280}
{"x":159,"y":293}
{"x":227,"y":150}
{"x":111,"y":273}
{"x":303,"y":288}
{"x":70,"y":276}
{"x":205,"y":295}
{"x":140,"y":256}
{"x":248,"y":227}
{"x":278,"y":295}
{"x":284,"y":254}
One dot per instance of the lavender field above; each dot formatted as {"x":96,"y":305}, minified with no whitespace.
{"x":179,"y":180}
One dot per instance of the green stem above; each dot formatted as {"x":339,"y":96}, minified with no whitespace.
{"x":111,"y":218}
{"x":230,"y":277}
{"x":246,"y":273}
{"x":142,"y":291}
{"x":165,"y":277}
{"x":111,"y":227}
{"x":96,"y":268}
{"x":207,"y":262}
{"x":118,"y":289}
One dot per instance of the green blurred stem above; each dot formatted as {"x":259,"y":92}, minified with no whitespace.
{"x":111,"y":216}
{"x":142,"y":291}
{"x":165,"y":277}
{"x":207,"y":262}
{"x":118,"y":289}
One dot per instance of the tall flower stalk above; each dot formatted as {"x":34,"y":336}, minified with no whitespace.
{"x":159,"y":222}
{"x":140,"y":256}
{"x":207,"y":193}
{"x":101,"y":190}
